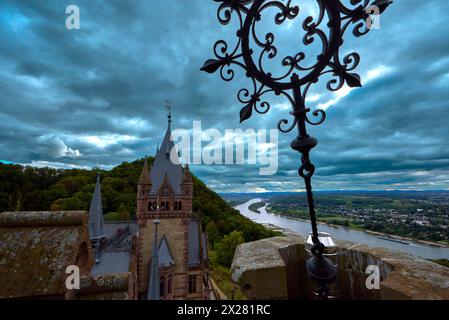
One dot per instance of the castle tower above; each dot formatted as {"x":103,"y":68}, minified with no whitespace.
{"x":96,"y":220}
{"x":165,"y":194}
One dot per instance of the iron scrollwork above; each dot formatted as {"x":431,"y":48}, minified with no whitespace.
{"x":251,"y":52}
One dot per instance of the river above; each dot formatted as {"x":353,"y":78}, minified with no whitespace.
{"x":302,"y":227}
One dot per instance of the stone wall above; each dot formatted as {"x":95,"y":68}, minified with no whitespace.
{"x":36,"y":248}
{"x":108,"y":287}
{"x":274,"y":268}
{"x":175,"y":232}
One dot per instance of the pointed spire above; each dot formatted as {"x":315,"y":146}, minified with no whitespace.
{"x":187,"y":178}
{"x":96,"y":220}
{"x":153,"y":285}
{"x":166,"y":162}
{"x":145,"y":174}
{"x":165,"y":256}
{"x":168,"y":104}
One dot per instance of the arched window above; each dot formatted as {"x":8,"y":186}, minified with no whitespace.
{"x":175,"y":206}
{"x":180,"y":205}
{"x":154,"y":205}
{"x":150,"y":206}
{"x":162,"y":287}
{"x":192,"y":284}
{"x":167,"y":206}
{"x":170,"y":283}
{"x":162,"y":207}
{"x":83,"y":256}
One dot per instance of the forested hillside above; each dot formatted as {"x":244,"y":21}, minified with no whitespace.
{"x":29,"y":188}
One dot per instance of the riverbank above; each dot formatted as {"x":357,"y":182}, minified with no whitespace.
{"x":386,"y":236}
{"x":407,"y":239}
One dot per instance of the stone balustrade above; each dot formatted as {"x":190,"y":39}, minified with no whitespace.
{"x":274,"y":268}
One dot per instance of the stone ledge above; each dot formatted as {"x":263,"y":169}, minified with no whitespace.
{"x":43,"y":218}
{"x":260,"y":269}
{"x":274,"y":268}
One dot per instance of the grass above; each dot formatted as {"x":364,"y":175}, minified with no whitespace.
{"x":222,"y":277}
{"x":443,"y":262}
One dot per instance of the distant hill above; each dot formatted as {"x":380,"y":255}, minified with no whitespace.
{"x":28,"y":188}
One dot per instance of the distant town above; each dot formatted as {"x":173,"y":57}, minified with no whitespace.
{"x":417,"y":215}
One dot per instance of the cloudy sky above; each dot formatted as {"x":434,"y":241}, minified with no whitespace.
{"x":96,"y":95}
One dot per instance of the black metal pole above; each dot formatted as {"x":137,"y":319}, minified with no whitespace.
{"x":303,"y":144}
{"x":330,"y":32}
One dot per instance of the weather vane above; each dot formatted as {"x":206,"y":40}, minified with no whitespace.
{"x":252,"y":52}
{"x":168,"y":104}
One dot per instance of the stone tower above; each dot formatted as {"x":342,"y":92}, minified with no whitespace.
{"x":165,"y":193}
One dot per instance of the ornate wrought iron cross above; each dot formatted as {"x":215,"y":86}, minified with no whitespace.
{"x":251,"y":53}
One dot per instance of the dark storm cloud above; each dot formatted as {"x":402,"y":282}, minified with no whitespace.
{"x":76,"y":98}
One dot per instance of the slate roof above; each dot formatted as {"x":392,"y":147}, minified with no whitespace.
{"x":196,"y":245}
{"x":165,"y":257}
{"x":112,"y":262}
{"x":111,"y":228}
{"x":116,"y":256}
{"x":163,"y":165}
{"x":204,"y":242}
{"x":96,"y":221}
{"x":153,"y":285}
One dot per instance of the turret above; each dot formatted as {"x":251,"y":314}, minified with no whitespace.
{"x":96,"y":221}
{"x":144,"y":185}
{"x":187,"y":182}
{"x":187,"y":189}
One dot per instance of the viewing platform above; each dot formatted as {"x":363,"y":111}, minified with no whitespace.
{"x":274,"y":268}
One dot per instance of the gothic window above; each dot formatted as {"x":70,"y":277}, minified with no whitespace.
{"x":179,"y":205}
{"x":175,"y":204}
{"x":192,"y":284}
{"x":162,"y":287}
{"x":150,"y":206}
{"x":167,"y":206}
{"x":162,"y":207}
{"x":154,"y":205}
{"x":83,"y":256}
{"x":169,"y":283}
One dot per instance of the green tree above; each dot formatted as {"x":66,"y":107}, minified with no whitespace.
{"x":5,"y":202}
{"x":34,"y":201}
{"x":226,"y":247}
{"x":112,"y":216}
{"x":19,"y":203}
{"x":123,"y":212}
{"x":69,"y":204}
{"x":212,"y":233}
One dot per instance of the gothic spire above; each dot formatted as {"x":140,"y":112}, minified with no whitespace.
{"x":153,"y":285}
{"x":96,"y":212}
{"x":145,"y":174}
{"x":187,"y":177}
{"x":166,"y":162}
{"x":168,"y":105}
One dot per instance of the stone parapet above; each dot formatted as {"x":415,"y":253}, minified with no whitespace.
{"x":37,"y":247}
{"x":274,"y":268}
